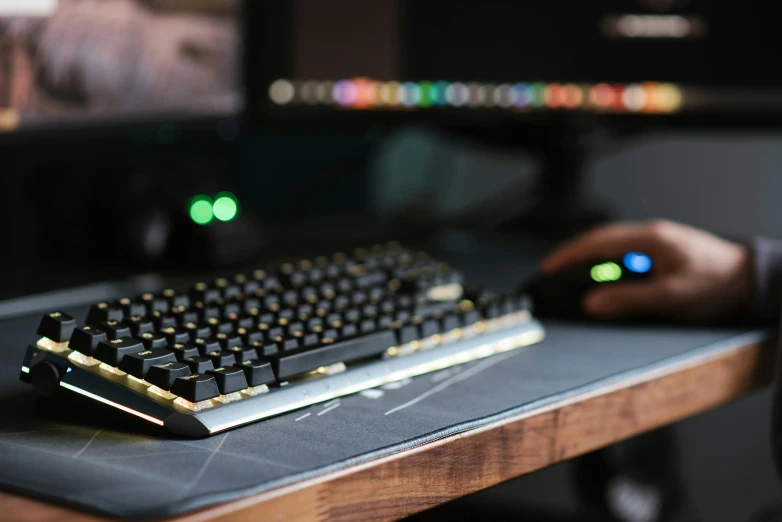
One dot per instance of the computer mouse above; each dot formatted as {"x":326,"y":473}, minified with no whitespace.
{"x":561,"y":294}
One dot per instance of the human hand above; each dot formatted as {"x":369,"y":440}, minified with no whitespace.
{"x":696,"y":275}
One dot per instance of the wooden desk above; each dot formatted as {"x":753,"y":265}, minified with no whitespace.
{"x":430,"y":475}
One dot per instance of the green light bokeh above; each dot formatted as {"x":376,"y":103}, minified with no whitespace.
{"x":201,"y":210}
{"x":606,"y":272}
{"x":225,"y":207}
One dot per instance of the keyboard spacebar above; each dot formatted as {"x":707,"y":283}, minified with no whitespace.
{"x":293,"y":363}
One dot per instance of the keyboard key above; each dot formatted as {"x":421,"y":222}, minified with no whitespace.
{"x":196,"y":388}
{"x":201,"y":292}
{"x":57,"y":326}
{"x":429,"y":328}
{"x":139,"y":325}
{"x":221,"y":358}
{"x":228,"y":340}
{"x":229,"y":380}
{"x":204,"y":346}
{"x":112,"y":351}
{"x":164,"y":375}
{"x":250,"y":335}
{"x":367,"y":326}
{"x":264,"y":349}
{"x":450,"y":322}
{"x":86,"y":338}
{"x":137,"y":364}
{"x":407,"y":334}
{"x":154,"y":303}
{"x":115,"y":329}
{"x":152,"y":340}
{"x":289,"y":364}
{"x":183,"y":351}
{"x":198,"y":330}
{"x":257,"y":372}
{"x":174,"y":299}
{"x":104,"y":312}
{"x":243,"y":353}
{"x":176,"y":335}
{"x":198,"y":364}
{"x":287,"y":345}
{"x":161,"y":320}
{"x":310,"y":340}
{"x":131,"y":307}
{"x":349,"y":330}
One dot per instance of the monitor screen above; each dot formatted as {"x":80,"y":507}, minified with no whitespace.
{"x":71,"y":62}
{"x":656,"y":57}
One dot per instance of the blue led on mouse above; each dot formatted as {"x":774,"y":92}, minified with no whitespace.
{"x":637,"y":262}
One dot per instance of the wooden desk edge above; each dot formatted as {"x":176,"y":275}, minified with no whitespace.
{"x":405,"y":483}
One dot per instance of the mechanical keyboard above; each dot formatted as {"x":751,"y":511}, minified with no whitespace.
{"x":243,"y":348}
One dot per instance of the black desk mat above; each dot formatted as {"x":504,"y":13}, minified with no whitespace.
{"x":88,"y":457}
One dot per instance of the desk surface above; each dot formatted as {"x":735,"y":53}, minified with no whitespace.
{"x":706,"y":369}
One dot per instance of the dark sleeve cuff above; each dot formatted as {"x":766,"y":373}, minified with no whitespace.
{"x":766,"y":302}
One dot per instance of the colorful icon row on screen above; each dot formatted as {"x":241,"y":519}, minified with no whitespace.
{"x":365,"y":93}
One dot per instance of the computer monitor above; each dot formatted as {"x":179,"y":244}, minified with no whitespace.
{"x":70,"y":63}
{"x":456,"y":59}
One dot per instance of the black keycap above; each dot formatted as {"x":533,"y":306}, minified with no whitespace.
{"x":310,"y":340}
{"x":267,"y":319}
{"x":288,"y":364}
{"x":471,"y":317}
{"x":402,"y":316}
{"x":330,"y":333}
{"x":341,"y":303}
{"x":228,"y":340}
{"x":315,"y":325}
{"x":176,"y":335}
{"x":209,"y":344}
{"x":221,"y":358}
{"x":250,"y":335}
{"x":257,"y":372}
{"x":139,"y":325}
{"x":264,"y":349}
{"x":137,"y":364}
{"x":407,"y":334}
{"x":367,"y":326}
{"x":86,"y":338}
{"x":196,"y":388}
{"x":175,"y":299}
{"x":295,"y":329}
{"x":161,"y":320}
{"x":221,"y":327}
{"x":131,"y":307}
{"x":287,"y":345}
{"x":272,"y":302}
{"x":198,"y":364}
{"x":334,"y":320}
{"x":115,"y":329}
{"x":243,"y":353}
{"x":245,"y":321}
{"x":185,"y":315}
{"x":232,"y":310}
{"x":57,"y":326}
{"x":111,"y":352}
{"x":198,"y":330}
{"x":291,"y":298}
{"x":152,"y":340}
{"x":205,"y":313}
{"x":384,"y":321}
{"x":104,"y":312}
{"x":275,"y":334}
{"x":450,"y":322}
{"x":154,"y":303}
{"x":204,"y":293}
{"x":183,"y":351}
{"x":430,"y":327}
{"x":164,"y":375}
{"x":349,"y":330}
{"x":229,"y":380}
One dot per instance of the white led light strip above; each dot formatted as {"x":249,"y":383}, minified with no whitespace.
{"x":111,"y":403}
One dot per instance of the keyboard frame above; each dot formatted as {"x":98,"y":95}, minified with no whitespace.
{"x":488,"y":338}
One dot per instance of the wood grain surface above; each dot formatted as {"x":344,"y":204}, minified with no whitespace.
{"x":435,"y":473}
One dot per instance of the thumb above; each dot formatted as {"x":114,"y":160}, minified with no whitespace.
{"x":627,"y":300}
